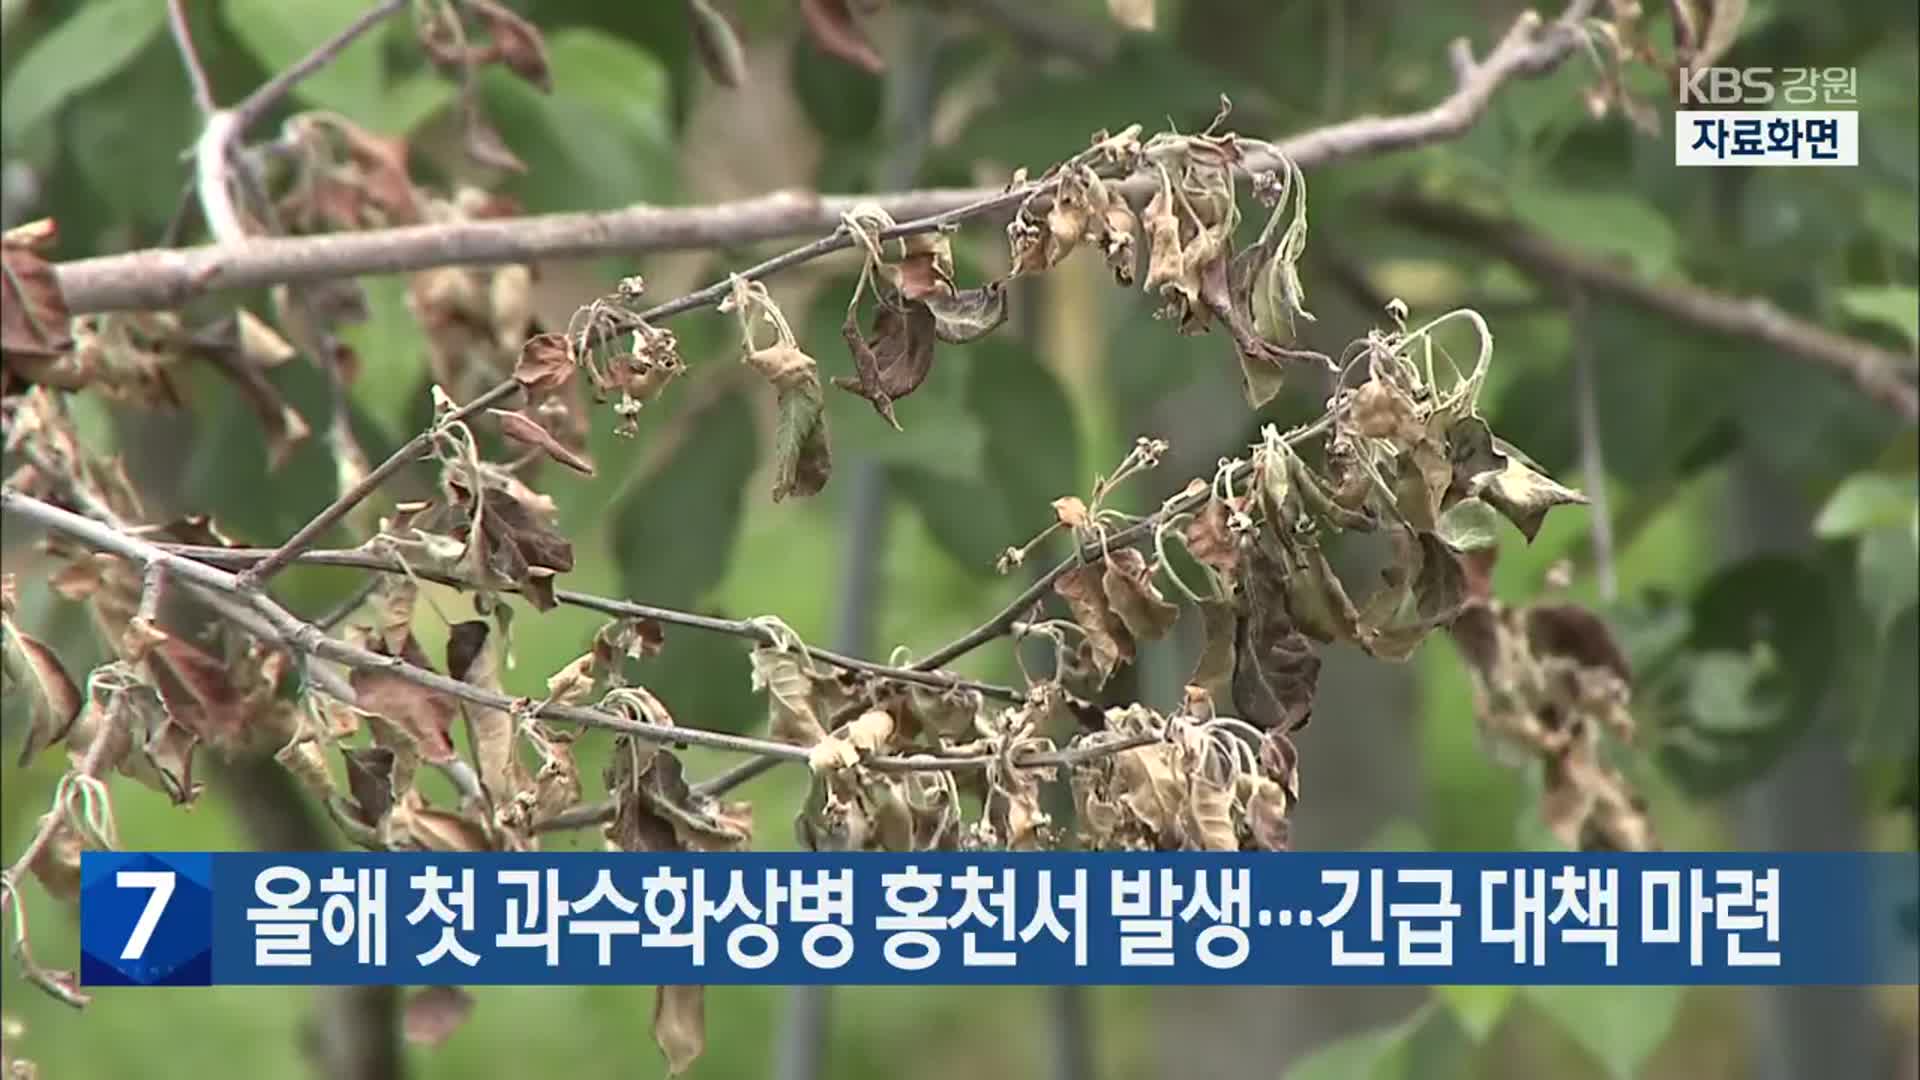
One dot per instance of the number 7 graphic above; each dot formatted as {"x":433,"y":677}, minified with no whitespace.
{"x":161,"y":882}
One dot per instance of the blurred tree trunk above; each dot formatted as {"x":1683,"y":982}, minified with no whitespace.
{"x":354,"y":1031}
{"x":1799,"y":1031}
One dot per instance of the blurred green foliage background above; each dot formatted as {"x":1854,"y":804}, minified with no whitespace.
{"x":1764,"y":513}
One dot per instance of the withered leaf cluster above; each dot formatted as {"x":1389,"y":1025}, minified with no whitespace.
{"x":1552,"y":687}
{"x":917,"y":304}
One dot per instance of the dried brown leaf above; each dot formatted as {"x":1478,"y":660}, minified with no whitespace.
{"x":1131,"y":594}
{"x":53,"y":701}
{"x":895,"y":360}
{"x":57,"y":864}
{"x":1106,"y":632}
{"x":968,"y":315}
{"x":199,"y":693}
{"x":836,"y":32}
{"x":34,"y":318}
{"x":1210,"y":540}
{"x":370,"y":776}
{"x":1215,"y":662}
{"x":545,"y":364}
{"x":1071,"y":512}
{"x":516,"y":42}
{"x":426,"y":716}
{"x":680,"y":1025}
{"x":527,"y":431}
{"x":1276,"y":669}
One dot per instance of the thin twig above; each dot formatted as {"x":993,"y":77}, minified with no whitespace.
{"x":164,"y":278}
{"x":1883,"y":375}
{"x":740,"y":628}
{"x":92,"y":764}
{"x":190,"y":56}
{"x":261,"y":572}
{"x":1593,"y":462}
{"x":256,"y":104}
{"x":306,"y":639}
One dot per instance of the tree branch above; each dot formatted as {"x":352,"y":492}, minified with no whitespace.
{"x":259,"y":573}
{"x":270,"y":93}
{"x":1882,"y":374}
{"x":307,"y":639}
{"x":740,"y":628}
{"x":190,"y":56}
{"x":162,"y":278}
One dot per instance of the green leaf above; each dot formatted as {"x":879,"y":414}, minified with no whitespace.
{"x":1478,"y":1009}
{"x":674,"y":532}
{"x":1889,"y":574}
{"x":279,"y":34}
{"x":1470,"y":525}
{"x":1601,"y":223}
{"x":1757,"y":663}
{"x":1867,"y":501}
{"x":1620,"y":1026}
{"x":126,"y":134}
{"x":1032,"y":435}
{"x":97,"y":41}
{"x":391,"y":387}
{"x":603,"y":139}
{"x":1727,"y":692}
{"x":1427,"y":1045}
{"x":1894,"y":306}
{"x":964,"y":517}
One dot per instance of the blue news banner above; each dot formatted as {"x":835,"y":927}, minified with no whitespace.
{"x":197,"y":918}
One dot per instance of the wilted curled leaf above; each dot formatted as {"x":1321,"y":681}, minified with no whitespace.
{"x":895,"y":360}
{"x":415,"y":826}
{"x":473,"y":657}
{"x":426,"y":716}
{"x":844,"y":747}
{"x":199,"y":693}
{"x":370,"y":780}
{"x":1316,"y":599}
{"x":718,"y":45}
{"x":803,"y":458}
{"x":34,"y":318}
{"x":1107,"y":636}
{"x":680,"y":1025}
{"x":545,"y":363}
{"x":1421,"y":591}
{"x":1071,"y":511}
{"x":968,"y":314}
{"x":1495,"y":471}
{"x":1128,"y":585}
{"x":792,"y":714}
{"x":53,"y":701}
{"x":434,"y":1013}
{"x":656,"y":810}
{"x":1276,"y":670}
{"x":836,"y":31}
{"x":57,"y":864}
{"x":516,"y":41}
{"x":516,"y":544}
{"x":527,"y":431}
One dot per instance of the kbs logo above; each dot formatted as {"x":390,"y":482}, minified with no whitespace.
{"x":1726,"y":86}
{"x":1760,"y":86}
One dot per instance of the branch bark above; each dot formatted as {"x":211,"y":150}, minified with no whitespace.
{"x":308,"y":640}
{"x":1882,"y":374}
{"x":740,"y":628}
{"x":162,"y":278}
